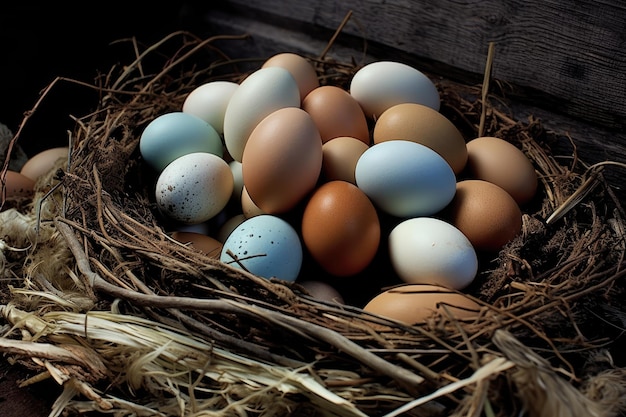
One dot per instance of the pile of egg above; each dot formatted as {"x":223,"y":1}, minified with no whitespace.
{"x":278,"y":168}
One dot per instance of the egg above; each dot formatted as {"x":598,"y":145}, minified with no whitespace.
{"x":17,"y":185}
{"x":422,"y":124}
{"x":322,"y":291}
{"x":228,"y":226}
{"x":194,"y":187}
{"x":336,"y":113}
{"x":175,"y":134}
{"x":425,"y":250}
{"x":209,"y":101}
{"x":261,"y":93}
{"x":237,"y":171}
{"x":502,"y":163}
{"x":44,"y":161}
{"x":340,"y":228}
{"x":339,"y":158}
{"x":485,"y":213}
{"x":415,"y":303}
{"x":249,"y":207}
{"x":382,"y":84}
{"x":200,"y":242}
{"x":299,"y":67}
{"x":405,"y":178}
{"x":266,"y":246}
{"x":282,"y":160}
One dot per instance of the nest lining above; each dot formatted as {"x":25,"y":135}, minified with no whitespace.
{"x":95,"y":256}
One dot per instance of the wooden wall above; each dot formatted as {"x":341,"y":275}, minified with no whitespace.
{"x":564,"y":61}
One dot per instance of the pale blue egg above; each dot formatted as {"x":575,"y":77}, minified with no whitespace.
{"x":175,"y":134}
{"x":266,"y":246}
{"x":405,"y":178}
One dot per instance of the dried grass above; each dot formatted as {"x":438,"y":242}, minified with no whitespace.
{"x":130,"y":322}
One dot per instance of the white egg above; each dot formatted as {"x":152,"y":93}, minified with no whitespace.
{"x":266,"y":246}
{"x":175,"y":134}
{"x":194,"y":187}
{"x":405,"y":178}
{"x":382,"y":84}
{"x":209,"y":101}
{"x":236,"y":169}
{"x":426,"y":250}
{"x":263,"y":92}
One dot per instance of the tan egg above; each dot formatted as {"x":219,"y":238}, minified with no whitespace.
{"x":18,"y":185}
{"x":336,"y":113}
{"x":339,"y":158}
{"x":340,"y":228}
{"x":282,"y":160}
{"x":249,"y":207}
{"x":486,"y":214}
{"x":424,"y":125}
{"x":41,"y":163}
{"x":414,"y":303}
{"x":502,"y":163}
{"x":200,"y":242}
{"x":299,"y":67}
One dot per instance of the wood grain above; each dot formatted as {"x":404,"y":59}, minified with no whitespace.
{"x":569,"y":55}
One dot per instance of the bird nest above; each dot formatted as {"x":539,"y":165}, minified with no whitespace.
{"x":98,"y":297}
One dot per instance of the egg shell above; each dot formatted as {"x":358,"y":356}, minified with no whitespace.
{"x":266,"y":246}
{"x":282,"y":160}
{"x":249,"y":207}
{"x":382,"y":84}
{"x":425,"y":250}
{"x":175,"y":134}
{"x":237,"y":170}
{"x":200,"y":242}
{"x":485,"y":213}
{"x":502,"y":163}
{"x":17,"y":185}
{"x":340,"y":228}
{"x":209,"y":101}
{"x":405,"y":178}
{"x":422,"y":124}
{"x":260,"y":94}
{"x":415,"y":303}
{"x":42,"y":162}
{"x":336,"y":113}
{"x":299,"y":67}
{"x":322,"y":291}
{"x":339,"y":158}
{"x":228,"y":226}
{"x":194,"y":187}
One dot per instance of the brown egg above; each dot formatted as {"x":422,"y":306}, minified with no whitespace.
{"x":502,"y":163}
{"x":414,"y":303}
{"x":18,"y":185}
{"x":486,"y":214}
{"x":339,"y":158}
{"x":424,"y":125}
{"x":336,"y":113}
{"x":43,"y":162}
{"x":340,"y":228}
{"x":300,"y":68}
{"x":203,"y":243}
{"x":282,"y":160}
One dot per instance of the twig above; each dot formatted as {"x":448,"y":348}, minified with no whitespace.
{"x":485,"y":89}
{"x":404,"y":377}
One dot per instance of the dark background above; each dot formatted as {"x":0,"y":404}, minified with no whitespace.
{"x":39,"y":42}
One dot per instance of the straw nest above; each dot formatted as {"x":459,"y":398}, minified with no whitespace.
{"x":127,"y":321}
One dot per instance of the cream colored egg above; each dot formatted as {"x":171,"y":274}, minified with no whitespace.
{"x":41,"y":163}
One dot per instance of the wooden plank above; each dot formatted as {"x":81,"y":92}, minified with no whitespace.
{"x":567,"y":54}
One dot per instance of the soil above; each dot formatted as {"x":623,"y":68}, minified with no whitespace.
{"x":34,"y":400}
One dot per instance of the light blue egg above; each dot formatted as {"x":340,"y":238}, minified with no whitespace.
{"x":175,"y":134}
{"x":405,"y":178}
{"x":266,"y":246}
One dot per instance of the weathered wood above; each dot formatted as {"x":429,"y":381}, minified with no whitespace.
{"x":568,"y":54}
